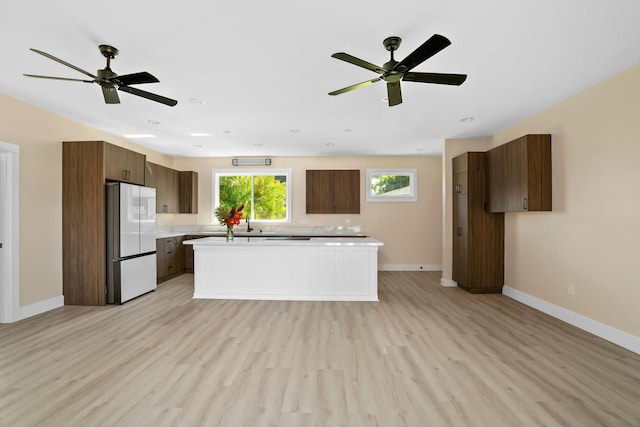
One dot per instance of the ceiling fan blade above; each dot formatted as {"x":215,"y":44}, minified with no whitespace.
{"x":149,"y":95}
{"x":437,"y":78}
{"x":359,"y":62}
{"x":63,"y":62}
{"x":57,"y":78}
{"x":394,"y":94}
{"x":110,"y":95}
{"x":354,"y":87}
{"x":429,"y":48}
{"x":134,"y":79}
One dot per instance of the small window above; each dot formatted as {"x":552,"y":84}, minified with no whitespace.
{"x":392,"y":185}
{"x":266,"y":195}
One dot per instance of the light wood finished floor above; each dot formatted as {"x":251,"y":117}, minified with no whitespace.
{"x":422,"y":356}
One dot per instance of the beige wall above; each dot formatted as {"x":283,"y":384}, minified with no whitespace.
{"x":591,"y":239}
{"x":39,"y":134}
{"x":410,"y":231}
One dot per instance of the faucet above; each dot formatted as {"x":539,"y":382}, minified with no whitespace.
{"x":249,"y":229}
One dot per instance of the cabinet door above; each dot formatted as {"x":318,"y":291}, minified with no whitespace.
{"x":188,"y":192}
{"x":520,"y":175}
{"x":516,"y":191}
{"x":460,"y":183}
{"x":170,"y":253}
{"x":150,"y":173}
{"x":460,"y":239}
{"x":333,"y":191}
{"x":496,"y":168}
{"x":123,"y":165}
{"x":346,"y":191}
{"x":539,"y":173}
{"x":161,"y":259}
{"x":167,"y":189}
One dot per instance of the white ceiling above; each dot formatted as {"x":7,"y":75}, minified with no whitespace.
{"x":264,"y":68}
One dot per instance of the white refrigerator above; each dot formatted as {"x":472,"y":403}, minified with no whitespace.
{"x":131,"y":241}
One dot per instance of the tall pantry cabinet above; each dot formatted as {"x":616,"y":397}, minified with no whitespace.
{"x":478,"y":236}
{"x":86,"y":165}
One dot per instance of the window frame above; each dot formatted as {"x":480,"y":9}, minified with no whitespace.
{"x":413,"y":185}
{"x":215,"y":186}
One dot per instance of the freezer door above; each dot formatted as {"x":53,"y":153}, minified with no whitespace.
{"x":137,"y":277}
{"x":146,"y":208}
{"x":129,"y":222}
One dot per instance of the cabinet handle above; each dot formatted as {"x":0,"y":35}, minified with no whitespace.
{"x":525,"y":204}
{"x":459,"y":231}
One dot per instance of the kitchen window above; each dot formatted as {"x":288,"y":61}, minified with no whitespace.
{"x":266,"y":195}
{"x":392,"y":185}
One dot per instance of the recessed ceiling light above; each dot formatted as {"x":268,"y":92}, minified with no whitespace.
{"x":199,"y":134}
{"x":197,"y":101}
{"x":227,"y":131}
{"x":153,"y":122}
{"x":329,"y":144}
{"x":197,"y":145}
{"x":257,"y":144}
{"x":421,"y":150}
{"x":466,"y":119}
{"x":295,"y":131}
{"x":347,"y":130}
{"x":139,"y":135}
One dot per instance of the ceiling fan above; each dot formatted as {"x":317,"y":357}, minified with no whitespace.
{"x":110,"y":81}
{"x":393,"y":71}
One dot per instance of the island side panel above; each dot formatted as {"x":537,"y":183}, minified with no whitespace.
{"x":313,"y":273}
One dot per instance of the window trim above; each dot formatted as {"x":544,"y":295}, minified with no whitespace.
{"x":215,"y":183}
{"x":413,"y":185}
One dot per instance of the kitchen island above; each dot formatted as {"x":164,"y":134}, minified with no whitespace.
{"x":286,"y":268}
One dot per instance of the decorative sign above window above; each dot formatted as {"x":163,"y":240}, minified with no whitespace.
{"x":392,"y":185}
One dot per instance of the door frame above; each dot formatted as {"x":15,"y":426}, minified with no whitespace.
{"x":9,"y":228}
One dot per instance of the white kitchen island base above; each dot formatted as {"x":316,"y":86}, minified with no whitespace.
{"x":317,"y":269}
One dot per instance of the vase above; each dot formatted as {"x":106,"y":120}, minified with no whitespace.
{"x":229,"y":234}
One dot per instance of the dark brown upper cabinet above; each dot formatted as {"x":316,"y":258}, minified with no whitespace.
{"x":123,"y":165}
{"x":520,"y":175}
{"x":188,"y":181}
{"x":333,"y":191}
{"x":176,"y":191}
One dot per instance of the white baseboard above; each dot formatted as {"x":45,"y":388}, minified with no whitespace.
{"x":41,"y":307}
{"x":448,"y":283}
{"x":611,"y":334}
{"x":409,"y":267}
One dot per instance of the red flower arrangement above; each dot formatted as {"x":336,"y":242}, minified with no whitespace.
{"x":229,"y":217}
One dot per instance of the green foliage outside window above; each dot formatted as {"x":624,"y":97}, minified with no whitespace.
{"x":264,"y":196}
{"x":382,"y":184}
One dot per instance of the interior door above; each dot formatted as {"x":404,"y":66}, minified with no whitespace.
{"x":9,"y":235}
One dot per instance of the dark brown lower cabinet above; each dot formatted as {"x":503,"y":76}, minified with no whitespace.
{"x":188,"y":253}
{"x":169,"y":258}
{"x":478,"y":236}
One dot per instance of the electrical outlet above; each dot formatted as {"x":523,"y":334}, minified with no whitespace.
{"x":571,"y":289}
{"x":347,"y":221}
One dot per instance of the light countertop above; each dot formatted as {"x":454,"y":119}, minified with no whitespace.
{"x":268,"y":231}
{"x":276,"y":241}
